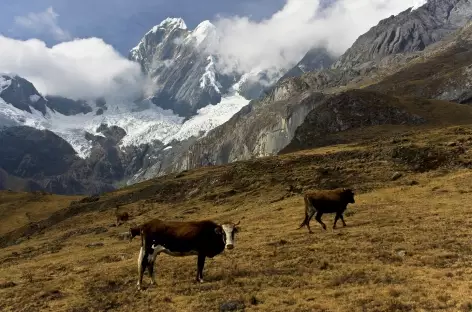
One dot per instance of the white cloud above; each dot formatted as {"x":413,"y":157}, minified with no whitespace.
{"x":283,"y":39}
{"x":43,"y":22}
{"x":80,"y":68}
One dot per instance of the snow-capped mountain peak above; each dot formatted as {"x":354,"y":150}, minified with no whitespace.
{"x":171,"y":23}
{"x":203,"y":31}
{"x":170,"y":27}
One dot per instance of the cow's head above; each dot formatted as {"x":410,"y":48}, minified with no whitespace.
{"x":227,"y":230}
{"x":134,"y":231}
{"x":348,"y":195}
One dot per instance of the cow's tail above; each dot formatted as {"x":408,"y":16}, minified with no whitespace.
{"x":307,"y":206}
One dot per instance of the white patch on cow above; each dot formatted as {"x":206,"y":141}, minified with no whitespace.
{"x":228,"y":230}
{"x":140,"y":257}
{"x":140,"y":261}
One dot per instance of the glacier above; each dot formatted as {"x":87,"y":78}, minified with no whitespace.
{"x":143,"y":123}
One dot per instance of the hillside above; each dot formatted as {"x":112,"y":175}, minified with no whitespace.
{"x":352,"y":116}
{"x":401,"y":247}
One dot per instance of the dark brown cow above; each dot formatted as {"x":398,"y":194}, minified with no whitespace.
{"x":121,"y":216}
{"x":200,"y":238}
{"x":326,"y":201}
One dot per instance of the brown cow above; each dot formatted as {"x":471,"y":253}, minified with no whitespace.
{"x":176,"y":238}
{"x":326,"y":201}
{"x":121,"y":216}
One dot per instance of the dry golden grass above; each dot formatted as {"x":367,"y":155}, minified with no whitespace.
{"x":406,"y":247}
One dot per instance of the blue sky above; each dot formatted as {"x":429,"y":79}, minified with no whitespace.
{"x":120,"y":23}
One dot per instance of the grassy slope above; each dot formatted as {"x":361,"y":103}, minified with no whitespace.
{"x":406,"y":247}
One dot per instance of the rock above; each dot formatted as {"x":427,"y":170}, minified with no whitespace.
{"x":401,"y":253}
{"x":98,"y":244}
{"x":90,"y":199}
{"x":235,"y":305}
{"x":317,"y":58}
{"x":67,"y":106}
{"x":22,"y":94}
{"x":412,"y":183}
{"x":396,"y":176}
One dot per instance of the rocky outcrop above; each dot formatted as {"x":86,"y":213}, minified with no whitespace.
{"x":21,"y":93}
{"x":39,"y":159}
{"x":444,"y":72}
{"x":315,"y":59}
{"x":68,"y":107}
{"x":259,"y":129}
{"x":409,"y":31}
{"x":28,"y":153}
{"x":354,"y":109}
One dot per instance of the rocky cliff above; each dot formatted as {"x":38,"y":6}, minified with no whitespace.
{"x":409,"y":31}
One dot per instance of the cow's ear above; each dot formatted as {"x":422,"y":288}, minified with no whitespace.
{"x":219,"y":230}
{"x":236,"y":229}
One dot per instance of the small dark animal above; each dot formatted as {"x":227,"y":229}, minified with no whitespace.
{"x":121,"y":216}
{"x":176,"y":238}
{"x":326,"y":201}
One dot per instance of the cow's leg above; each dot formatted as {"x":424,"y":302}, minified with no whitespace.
{"x":150,"y":268}
{"x":342,"y":219}
{"x":152,"y":261}
{"x":200,"y":265}
{"x":318,"y":218}
{"x":338,"y":215}
{"x":142,"y":263}
{"x":309,"y":217}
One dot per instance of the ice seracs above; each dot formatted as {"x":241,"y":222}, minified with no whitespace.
{"x":209,"y":77}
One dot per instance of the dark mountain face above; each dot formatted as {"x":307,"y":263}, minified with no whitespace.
{"x":314,"y":60}
{"x":21,"y":94}
{"x":67,"y":106}
{"x":28,"y":152}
